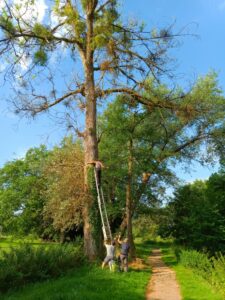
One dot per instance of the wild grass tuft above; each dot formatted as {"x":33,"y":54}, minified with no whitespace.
{"x":26,"y":263}
{"x":210,"y":268}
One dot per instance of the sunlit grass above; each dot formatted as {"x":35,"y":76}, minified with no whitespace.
{"x":193,"y":287}
{"x":12,"y":241}
{"x":88,"y":283}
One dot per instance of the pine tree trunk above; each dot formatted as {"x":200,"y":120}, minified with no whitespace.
{"x":129,"y":203}
{"x":91,"y":218}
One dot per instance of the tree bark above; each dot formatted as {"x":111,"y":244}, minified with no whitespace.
{"x":92,"y":226}
{"x":129,"y":202}
{"x":140,"y":192}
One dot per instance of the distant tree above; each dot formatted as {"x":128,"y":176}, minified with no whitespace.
{"x":22,"y":187}
{"x":189,"y":214}
{"x":215,"y":194}
{"x":198,"y":219}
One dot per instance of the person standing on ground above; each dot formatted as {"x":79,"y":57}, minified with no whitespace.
{"x":110,"y":253}
{"x":123,"y":257}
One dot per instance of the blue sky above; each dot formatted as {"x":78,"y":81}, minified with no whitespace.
{"x":195,"y":56}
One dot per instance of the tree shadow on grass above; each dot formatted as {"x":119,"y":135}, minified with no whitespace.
{"x":145,"y":270}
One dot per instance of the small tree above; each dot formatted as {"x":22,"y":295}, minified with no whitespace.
{"x":65,"y":193}
{"x":22,"y":188}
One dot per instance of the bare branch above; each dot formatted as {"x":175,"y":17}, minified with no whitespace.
{"x":103,"y":6}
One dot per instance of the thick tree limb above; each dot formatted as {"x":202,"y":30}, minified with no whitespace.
{"x":140,"y":98}
{"x":34,"y":109}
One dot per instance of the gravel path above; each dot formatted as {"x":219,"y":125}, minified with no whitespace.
{"x":163,"y":284}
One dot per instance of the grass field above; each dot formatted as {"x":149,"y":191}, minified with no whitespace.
{"x":7,"y":242}
{"x":90,"y":282}
{"x":86,"y":282}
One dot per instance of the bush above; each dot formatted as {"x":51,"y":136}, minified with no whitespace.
{"x":198,"y":261}
{"x":27,"y":263}
{"x":218,"y":275}
{"x":212,"y":269}
{"x":145,"y":226}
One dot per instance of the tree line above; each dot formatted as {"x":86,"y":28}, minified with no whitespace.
{"x":195,"y":216}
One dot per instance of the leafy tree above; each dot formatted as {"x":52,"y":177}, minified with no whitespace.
{"x":140,"y":146}
{"x":215,"y":194}
{"x":22,"y":187}
{"x":65,"y":193}
{"x":199,"y":214}
{"x":188,"y":205}
{"x":125,"y":150}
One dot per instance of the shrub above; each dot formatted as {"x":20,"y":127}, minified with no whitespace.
{"x":27,"y":263}
{"x":198,"y":261}
{"x":212,"y":269}
{"x":218,"y":275}
{"x":145,"y":226}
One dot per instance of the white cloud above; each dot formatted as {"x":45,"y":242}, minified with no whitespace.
{"x":41,"y":8}
{"x":28,"y":11}
{"x":2,"y":5}
{"x":24,"y":9}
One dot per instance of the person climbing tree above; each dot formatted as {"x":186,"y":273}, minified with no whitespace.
{"x":98,"y":169}
{"x":145,"y":177}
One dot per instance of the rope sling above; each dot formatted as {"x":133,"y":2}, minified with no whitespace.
{"x":103,"y":212}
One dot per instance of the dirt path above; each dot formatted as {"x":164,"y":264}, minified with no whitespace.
{"x":163,"y":284}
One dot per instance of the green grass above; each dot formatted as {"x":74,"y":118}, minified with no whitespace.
{"x":87,"y":283}
{"x":11,"y":241}
{"x":193,"y":286}
{"x":143,"y":248}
